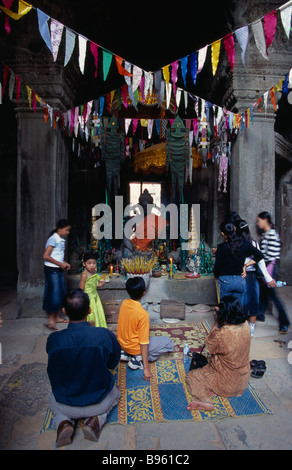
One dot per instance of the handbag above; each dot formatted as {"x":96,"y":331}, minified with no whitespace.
{"x":198,"y":360}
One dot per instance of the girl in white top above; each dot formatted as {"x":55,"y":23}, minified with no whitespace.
{"x":54,"y":265}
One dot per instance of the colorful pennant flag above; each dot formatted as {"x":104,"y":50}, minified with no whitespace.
{"x":285,"y":13}
{"x":184,"y":68}
{"x":82,"y":42}
{"x":230,"y":49}
{"x":56,"y":36}
{"x":202,"y":58}
{"x":270,"y":24}
{"x":259,"y":36}
{"x":193,"y":61}
{"x":215,"y":51}
{"x":70,"y":44}
{"x":242,"y":35}
{"x":44,"y":28}
{"x":107,"y":60}
{"x":121,"y":69}
{"x":94,"y":51}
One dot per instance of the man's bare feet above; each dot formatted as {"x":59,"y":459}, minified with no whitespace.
{"x":200,"y":405}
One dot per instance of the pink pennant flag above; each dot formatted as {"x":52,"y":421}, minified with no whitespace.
{"x":230,"y":49}
{"x":174,"y":68}
{"x":270,"y":23}
{"x":135,"y":124}
{"x":125,"y":95}
{"x":7,"y":5}
{"x":94,"y":50}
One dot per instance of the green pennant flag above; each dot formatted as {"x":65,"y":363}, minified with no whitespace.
{"x":107,"y":60}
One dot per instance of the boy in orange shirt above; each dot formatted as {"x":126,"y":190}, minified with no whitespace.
{"x":133,"y":331}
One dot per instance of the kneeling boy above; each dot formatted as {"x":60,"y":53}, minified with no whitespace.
{"x":133,"y":331}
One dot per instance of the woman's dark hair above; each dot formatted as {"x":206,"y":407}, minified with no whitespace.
{"x":76,"y":304}
{"x":62,"y":223}
{"x":232,"y":217}
{"x":230,"y":311}
{"x":266,"y":215}
{"x":242,"y":229}
{"x":89,"y":255}
{"x":135,"y":287}
{"x":232,"y":237}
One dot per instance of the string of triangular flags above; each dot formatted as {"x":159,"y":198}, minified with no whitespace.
{"x":52,"y":32}
{"x":75,"y":119}
{"x":263,"y":31}
{"x":138,"y":80}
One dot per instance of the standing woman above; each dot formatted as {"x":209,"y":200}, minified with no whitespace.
{"x":54,"y":265}
{"x":252,"y":295}
{"x":270,"y":245}
{"x":230,"y":261}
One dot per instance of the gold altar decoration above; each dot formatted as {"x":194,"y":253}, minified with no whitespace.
{"x":154,"y":159}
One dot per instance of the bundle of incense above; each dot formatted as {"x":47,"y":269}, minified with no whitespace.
{"x":138,"y":264}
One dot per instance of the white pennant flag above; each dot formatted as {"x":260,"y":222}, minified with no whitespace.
{"x":137,"y":75}
{"x":128,"y":67}
{"x":259,"y":36}
{"x":178,"y":96}
{"x":56,"y":36}
{"x":242,"y":37}
{"x":168,"y":93}
{"x":285,"y":13}
{"x":82,"y":52}
{"x":201,"y":58}
{"x":70,"y":44}
{"x":266,"y":100}
{"x":148,"y":86}
{"x":127,"y":125}
{"x":186,"y":99}
{"x":149,"y":128}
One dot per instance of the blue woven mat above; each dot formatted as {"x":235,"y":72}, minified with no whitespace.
{"x":165,"y":398}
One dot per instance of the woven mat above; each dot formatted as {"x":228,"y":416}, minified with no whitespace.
{"x":181,"y":333}
{"x":165,"y":397}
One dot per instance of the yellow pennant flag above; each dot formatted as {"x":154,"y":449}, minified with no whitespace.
{"x":165,"y":71}
{"x":216,"y":46}
{"x":29,"y":93}
{"x":23,"y":9}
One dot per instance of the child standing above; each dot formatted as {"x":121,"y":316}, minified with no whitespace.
{"x":89,"y":282}
{"x":54,"y":265}
{"x":133,"y":331}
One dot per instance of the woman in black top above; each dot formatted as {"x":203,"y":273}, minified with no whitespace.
{"x":229,"y":269}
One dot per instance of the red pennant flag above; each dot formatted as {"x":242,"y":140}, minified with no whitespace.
{"x":7,"y":5}
{"x":94,"y":50}
{"x":270,"y":23}
{"x":121,"y":69}
{"x":229,"y":47}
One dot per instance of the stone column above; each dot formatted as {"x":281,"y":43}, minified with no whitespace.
{"x":42,"y":186}
{"x":252,"y":185}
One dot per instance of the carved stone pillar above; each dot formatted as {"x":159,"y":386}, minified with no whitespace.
{"x":42,"y":186}
{"x":253,"y":154}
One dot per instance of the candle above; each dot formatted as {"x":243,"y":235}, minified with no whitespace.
{"x":111,"y":270}
{"x":170,"y":267}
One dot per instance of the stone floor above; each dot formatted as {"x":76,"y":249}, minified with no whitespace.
{"x":24,"y":390}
